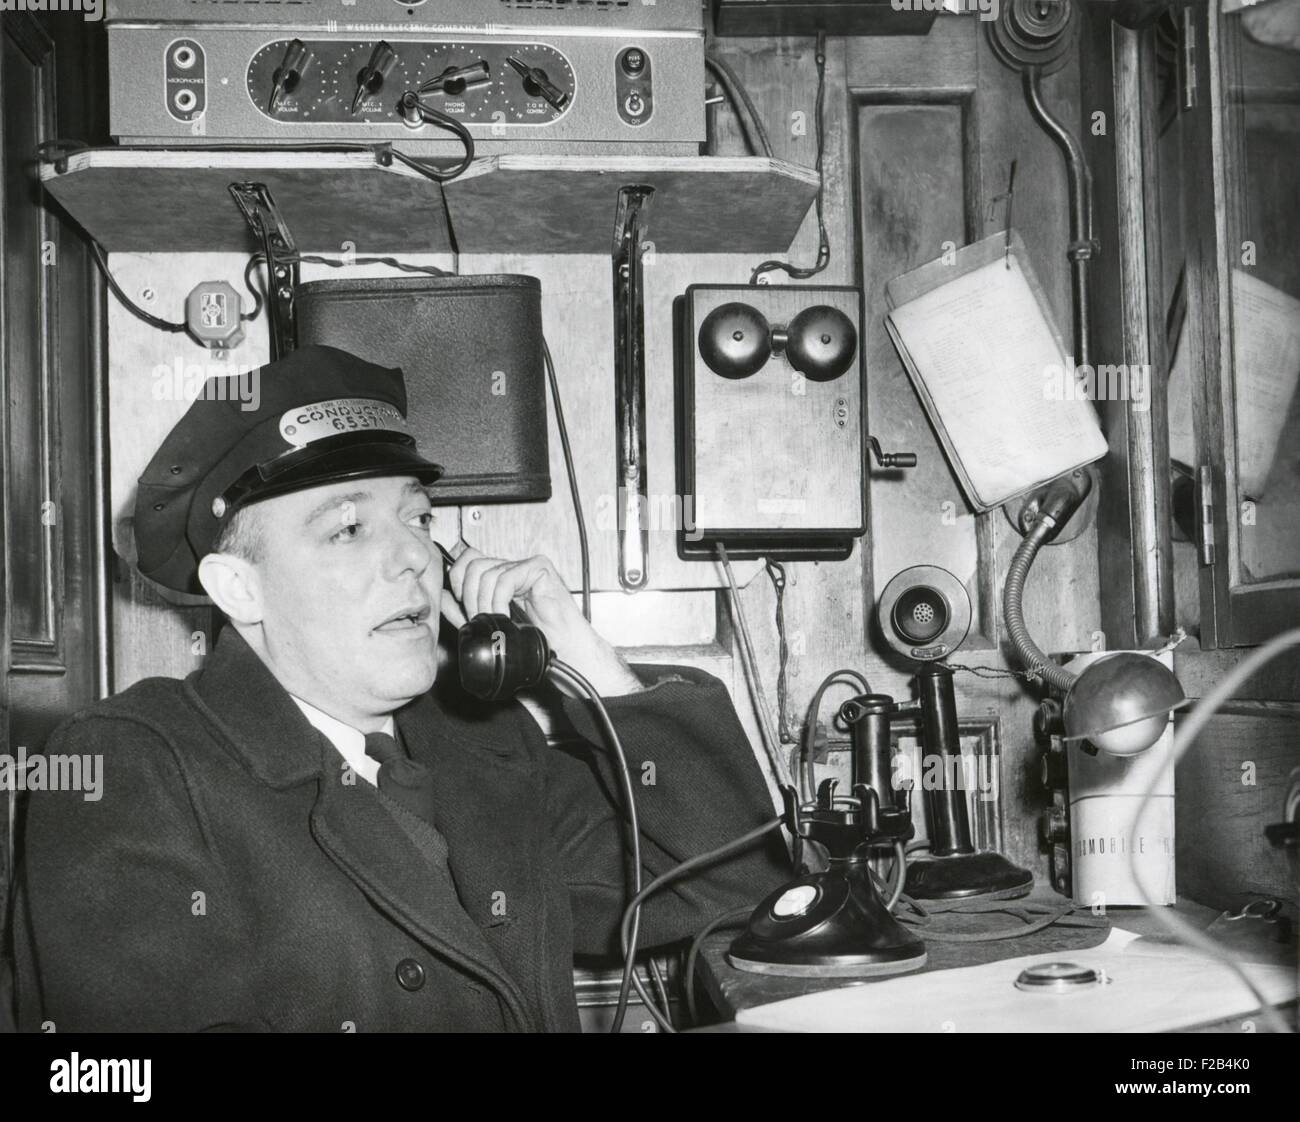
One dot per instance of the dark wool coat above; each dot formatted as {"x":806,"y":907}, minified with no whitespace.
{"x":231,"y":877}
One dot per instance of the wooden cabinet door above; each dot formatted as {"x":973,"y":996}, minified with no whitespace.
{"x":50,"y":455}
{"x":1242,"y":333}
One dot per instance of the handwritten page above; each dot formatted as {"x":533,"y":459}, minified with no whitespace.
{"x":994,"y":378}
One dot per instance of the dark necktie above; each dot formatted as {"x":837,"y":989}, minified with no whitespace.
{"x":404,"y":780}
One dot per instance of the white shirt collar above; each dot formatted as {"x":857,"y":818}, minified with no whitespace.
{"x":350,"y":742}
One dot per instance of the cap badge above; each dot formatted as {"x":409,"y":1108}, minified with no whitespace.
{"x":308,"y":423}
{"x":218,"y":507}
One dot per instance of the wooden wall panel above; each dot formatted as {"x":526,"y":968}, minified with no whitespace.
{"x":911,"y":198}
{"x":1229,"y":786}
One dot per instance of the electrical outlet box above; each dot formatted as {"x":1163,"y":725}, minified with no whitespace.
{"x":214,"y":315}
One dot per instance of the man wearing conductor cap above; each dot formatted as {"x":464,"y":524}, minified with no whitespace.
{"x":306,"y":834}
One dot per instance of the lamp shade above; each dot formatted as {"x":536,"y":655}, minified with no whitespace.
{"x":1122,"y":703}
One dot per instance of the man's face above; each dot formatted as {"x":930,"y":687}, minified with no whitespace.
{"x":350,"y":585}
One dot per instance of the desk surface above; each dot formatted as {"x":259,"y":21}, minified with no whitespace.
{"x":732,"y":990}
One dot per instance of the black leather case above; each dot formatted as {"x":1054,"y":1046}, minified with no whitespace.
{"x":471,"y":350}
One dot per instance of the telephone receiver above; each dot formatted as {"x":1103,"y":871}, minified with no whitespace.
{"x":499,"y":655}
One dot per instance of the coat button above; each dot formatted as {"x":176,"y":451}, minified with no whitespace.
{"x":410,"y":974}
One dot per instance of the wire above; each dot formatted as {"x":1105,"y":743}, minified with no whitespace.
{"x":1188,"y":730}
{"x":391,"y":262}
{"x":809,"y":789}
{"x":735,"y":89}
{"x":252,"y":288}
{"x":627,"y":934}
{"x":661,"y":990}
{"x":737,"y":94}
{"x":572,"y":677}
{"x":823,"y":241}
{"x":899,"y":875}
{"x":776,"y":573}
{"x":412,"y":99}
{"x":259,"y":259}
{"x":101,"y":260}
{"x":992,"y":671}
{"x":693,"y":955}
{"x":779,"y":767}
{"x":583,"y":546}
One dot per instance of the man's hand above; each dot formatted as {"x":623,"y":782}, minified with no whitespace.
{"x":489,"y":584}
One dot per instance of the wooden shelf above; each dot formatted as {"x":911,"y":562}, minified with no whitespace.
{"x":148,"y":200}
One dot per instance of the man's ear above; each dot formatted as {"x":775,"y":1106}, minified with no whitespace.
{"x":231,"y":583}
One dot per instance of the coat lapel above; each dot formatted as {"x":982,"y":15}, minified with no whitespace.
{"x":398,"y":866}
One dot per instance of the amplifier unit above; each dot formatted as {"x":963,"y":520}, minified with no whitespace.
{"x":770,"y":438}
{"x":583,"y":77}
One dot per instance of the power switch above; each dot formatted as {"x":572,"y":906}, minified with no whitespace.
{"x":633,"y":85}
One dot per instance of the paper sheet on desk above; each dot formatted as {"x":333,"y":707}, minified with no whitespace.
{"x":1154,"y":988}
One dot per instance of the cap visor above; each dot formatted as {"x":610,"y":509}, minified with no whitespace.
{"x":312,"y":467}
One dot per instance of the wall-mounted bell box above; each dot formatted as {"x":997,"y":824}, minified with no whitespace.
{"x":769,"y":421}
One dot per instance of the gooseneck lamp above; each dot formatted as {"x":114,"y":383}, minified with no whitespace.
{"x":1119,"y":704}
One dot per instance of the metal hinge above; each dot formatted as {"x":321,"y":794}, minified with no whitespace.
{"x":1206,"y":496}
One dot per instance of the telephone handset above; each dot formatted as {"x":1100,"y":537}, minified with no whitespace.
{"x":500,"y":655}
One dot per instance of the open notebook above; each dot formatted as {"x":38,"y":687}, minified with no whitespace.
{"x":976,"y":335}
